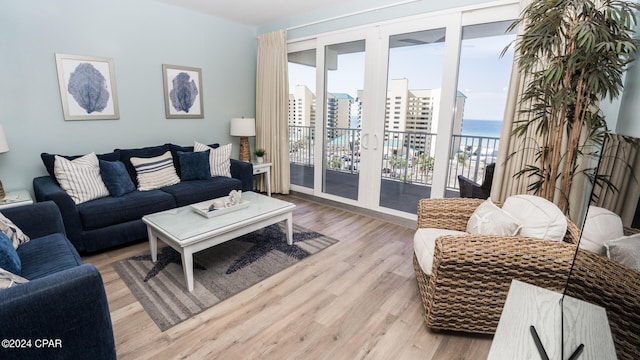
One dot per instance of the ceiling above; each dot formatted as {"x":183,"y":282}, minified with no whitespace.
{"x":257,"y":12}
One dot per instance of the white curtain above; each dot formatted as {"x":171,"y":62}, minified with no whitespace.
{"x":272,"y":107}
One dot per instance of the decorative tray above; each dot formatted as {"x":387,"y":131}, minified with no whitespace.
{"x":202,"y":208}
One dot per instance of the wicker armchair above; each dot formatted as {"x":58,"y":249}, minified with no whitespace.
{"x":615,"y":287}
{"x":472,"y":274}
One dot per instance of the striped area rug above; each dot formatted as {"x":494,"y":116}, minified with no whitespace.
{"x":219,"y":272}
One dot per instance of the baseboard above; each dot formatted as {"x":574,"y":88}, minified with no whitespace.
{"x":411,"y":224}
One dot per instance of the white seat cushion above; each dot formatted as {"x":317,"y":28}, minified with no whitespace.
{"x":424,"y":245}
{"x":600,"y":225}
{"x":539,"y":217}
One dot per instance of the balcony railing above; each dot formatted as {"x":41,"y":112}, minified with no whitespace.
{"x":407,"y":157}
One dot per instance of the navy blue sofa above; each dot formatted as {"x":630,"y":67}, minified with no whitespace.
{"x":111,"y":221}
{"x":62,"y":312}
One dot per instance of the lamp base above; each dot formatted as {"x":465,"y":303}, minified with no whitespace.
{"x":245,"y":152}
{"x":2,"y":194}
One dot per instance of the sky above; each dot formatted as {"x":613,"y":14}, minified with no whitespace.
{"x":483,"y":74}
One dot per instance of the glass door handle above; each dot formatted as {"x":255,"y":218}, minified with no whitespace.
{"x":375,"y":141}
{"x":365,"y":141}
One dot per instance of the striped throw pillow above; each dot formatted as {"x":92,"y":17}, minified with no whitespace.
{"x":80,"y":177}
{"x":219,"y":158}
{"x":155,"y":172}
{"x":12,"y":231}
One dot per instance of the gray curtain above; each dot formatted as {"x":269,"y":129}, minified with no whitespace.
{"x":620,"y":162}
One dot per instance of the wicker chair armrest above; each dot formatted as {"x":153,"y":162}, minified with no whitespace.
{"x":616,"y":287}
{"x":493,"y":261}
{"x":450,"y":213}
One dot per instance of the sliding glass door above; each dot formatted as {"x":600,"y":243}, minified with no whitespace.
{"x":382,"y":123}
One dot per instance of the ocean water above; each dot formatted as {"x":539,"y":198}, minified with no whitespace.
{"x":486,"y":128}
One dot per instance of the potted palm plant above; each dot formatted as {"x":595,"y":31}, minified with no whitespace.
{"x":570,"y":54}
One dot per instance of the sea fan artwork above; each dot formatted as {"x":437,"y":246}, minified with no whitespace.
{"x":184,"y":92}
{"x":89,"y":88}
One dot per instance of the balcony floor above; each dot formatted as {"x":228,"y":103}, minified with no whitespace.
{"x":393,"y":194}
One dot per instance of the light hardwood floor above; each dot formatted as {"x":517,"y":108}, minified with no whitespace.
{"x":357,"y":299}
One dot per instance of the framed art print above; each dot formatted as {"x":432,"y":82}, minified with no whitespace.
{"x":182,"y":92}
{"x":87,"y":87}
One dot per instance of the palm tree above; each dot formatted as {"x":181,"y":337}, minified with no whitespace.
{"x":572,"y":53}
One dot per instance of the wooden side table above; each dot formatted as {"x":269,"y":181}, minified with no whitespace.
{"x":263,"y":168}
{"x":527,"y":305}
{"x":16,"y":198}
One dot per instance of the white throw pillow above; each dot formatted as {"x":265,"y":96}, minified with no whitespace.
{"x":219,"y":158}
{"x":600,"y":225}
{"x":155,"y":172}
{"x":80,"y":177}
{"x":489,"y":219}
{"x":539,"y":217}
{"x":13,"y":232}
{"x":9,"y":279}
{"x":625,"y":250}
{"x":424,"y":245}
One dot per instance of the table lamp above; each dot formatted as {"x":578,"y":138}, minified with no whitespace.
{"x":244,"y":127}
{"x":4,"y":147}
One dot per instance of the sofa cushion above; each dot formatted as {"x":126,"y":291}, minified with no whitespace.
{"x":80,"y":178}
{"x":424,"y":245}
{"x":189,"y":192}
{"x":115,"y":210}
{"x":47,"y":255}
{"x":12,"y":231}
{"x":489,"y":219}
{"x":49,"y":159}
{"x":219,"y":159}
{"x":116,"y":178}
{"x":155,"y":172}
{"x":194,"y":165}
{"x":9,"y":259}
{"x":127,"y":154}
{"x":600,"y":225}
{"x":539,"y":217}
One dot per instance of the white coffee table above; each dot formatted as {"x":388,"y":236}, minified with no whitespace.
{"x":188,"y":232}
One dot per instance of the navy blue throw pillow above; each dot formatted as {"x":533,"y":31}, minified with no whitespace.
{"x":9,"y":259}
{"x":116,"y":178}
{"x":194,"y":165}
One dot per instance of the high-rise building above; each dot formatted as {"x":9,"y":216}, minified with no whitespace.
{"x":416,"y":110}
{"x":338,"y":113}
{"x":302,"y":107}
{"x":407,"y":110}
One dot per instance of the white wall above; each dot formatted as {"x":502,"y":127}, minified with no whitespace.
{"x":139,"y":36}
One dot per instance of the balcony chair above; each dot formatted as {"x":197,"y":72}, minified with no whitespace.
{"x":471,"y":189}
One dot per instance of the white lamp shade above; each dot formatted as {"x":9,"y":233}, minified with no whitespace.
{"x":4,"y":145}
{"x":243,"y":127}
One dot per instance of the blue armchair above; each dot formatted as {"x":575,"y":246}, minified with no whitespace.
{"x":62,"y":312}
